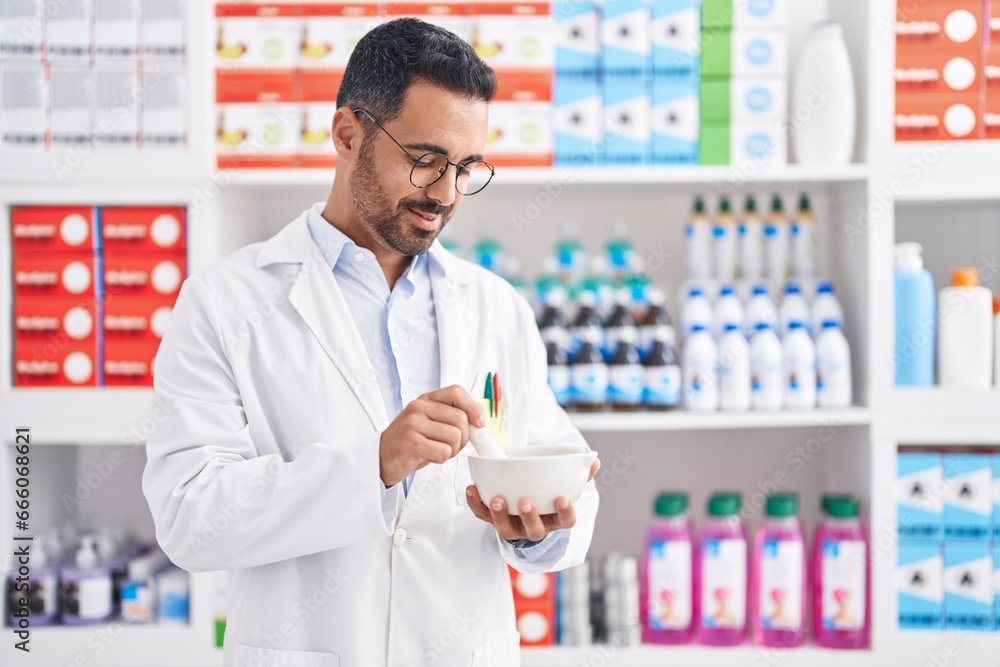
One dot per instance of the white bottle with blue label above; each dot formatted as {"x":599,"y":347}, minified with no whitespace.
{"x":734,"y":370}
{"x":697,"y":311}
{"x":700,"y":370}
{"x":800,"y":368}
{"x":767,"y":370}
{"x":728,"y":310}
{"x":833,"y":376}
{"x":794,"y":308}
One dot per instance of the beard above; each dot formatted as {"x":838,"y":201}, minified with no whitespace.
{"x":385,"y":221}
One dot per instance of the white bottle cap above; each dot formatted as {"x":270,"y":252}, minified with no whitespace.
{"x":556,"y":298}
{"x":86,"y":555}
{"x":656,"y":297}
{"x":909,"y":257}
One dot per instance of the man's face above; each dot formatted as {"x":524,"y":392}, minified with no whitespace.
{"x":401,"y":217}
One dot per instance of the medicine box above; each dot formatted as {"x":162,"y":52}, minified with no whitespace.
{"x":453,"y":15}
{"x":991,"y":117}
{"x":627,"y":126}
{"x":519,"y":132}
{"x":54,"y":228}
{"x":968,"y":587}
{"x":58,"y":320}
{"x":920,"y":25}
{"x":128,"y":363}
{"x":257,"y":35}
{"x":931,"y":117}
{"x":625,"y":38}
{"x":534,"y":607}
{"x":996,"y":587}
{"x":728,"y":14}
{"x":330,"y":30}
{"x":577,"y":37}
{"x":143,"y":228}
{"x":71,"y":274}
{"x":744,"y":98}
{"x":920,"y":586}
{"x":968,"y":500}
{"x":142,"y":275}
{"x":513,"y":35}
{"x":578,"y":119}
{"x":136,"y":319}
{"x":941,"y":70}
{"x":994,"y":24}
{"x":675,"y":120}
{"x":759,"y":141}
{"x":920,"y":495}
{"x":55,"y":364}
{"x":676,"y":35}
{"x":744,"y":53}
{"x":996,"y":498}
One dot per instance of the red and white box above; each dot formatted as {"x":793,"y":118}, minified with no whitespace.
{"x":991,"y":70}
{"x":534,"y":607}
{"x":319,"y":88}
{"x":454,"y":16}
{"x":143,"y":228}
{"x":330,"y":30}
{"x":134,"y":319}
{"x":51,"y":364}
{"x":258,"y":119}
{"x":71,"y":274}
{"x":142,"y":275}
{"x":128,"y":364}
{"x":55,"y":319}
{"x":513,"y":35}
{"x":991,"y":117}
{"x":994,"y":23}
{"x":251,"y":34}
{"x":923,"y":23}
{"x":53,"y":228}
{"x":520,"y":121}
{"x":938,"y":70}
{"x":934,"y":117}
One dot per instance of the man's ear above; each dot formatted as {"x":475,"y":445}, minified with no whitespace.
{"x":347,"y":134}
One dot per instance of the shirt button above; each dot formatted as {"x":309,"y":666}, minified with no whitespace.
{"x":399,"y":537}
{"x":360,"y":257}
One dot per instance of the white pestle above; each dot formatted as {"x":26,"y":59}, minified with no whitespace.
{"x":484,"y":444}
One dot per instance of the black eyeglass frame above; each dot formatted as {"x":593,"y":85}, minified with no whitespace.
{"x":459,"y":166}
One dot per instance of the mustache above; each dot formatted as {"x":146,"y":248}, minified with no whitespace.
{"x":428,"y":207}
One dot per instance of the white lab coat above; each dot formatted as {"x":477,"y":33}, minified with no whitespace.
{"x":267,"y":466}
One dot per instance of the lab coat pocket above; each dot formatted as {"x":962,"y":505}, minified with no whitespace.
{"x":250,"y":656}
{"x":463,"y":476}
{"x":506,"y":653}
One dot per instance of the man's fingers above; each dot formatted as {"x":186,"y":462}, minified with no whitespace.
{"x":565,"y":516}
{"x":443,"y":413}
{"x":446,"y":434}
{"x":458,"y":397}
{"x":433,"y":450}
{"x":534,"y":528}
{"x":594,"y":467}
{"x":476,"y":504}
{"x":504,"y":523}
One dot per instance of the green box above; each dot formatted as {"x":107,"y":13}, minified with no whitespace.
{"x":717,"y":15}
{"x":716,"y":56}
{"x":713,"y":143}
{"x":715,"y":100}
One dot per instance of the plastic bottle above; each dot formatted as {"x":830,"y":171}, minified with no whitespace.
{"x":776,"y":242}
{"x":767,"y":369}
{"x":598,"y":282}
{"x":825,"y":307}
{"x":560,"y":378}
{"x":85,"y":589}
{"x":570,"y":256}
{"x":552,"y":323}
{"x":41,"y":591}
{"x":697,"y":311}
{"x":724,"y":242}
{"x":751,"y":241}
{"x":700,"y":359}
{"x":656,"y":316}
{"x":840,"y":588}
{"x":587,"y":317}
{"x":618,"y":320}
{"x":996,"y":340}
{"x":833,"y":367}
{"x":174,"y":601}
{"x":778,"y":584}
{"x":698,"y":242}
{"x":626,"y":380}
{"x":916,"y":318}
{"x":112,"y":554}
{"x":805,"y":242}
{"x":734,"y":370}
{"x":965,"y":339}
{"x":800,"y":368}
{"x":488,"y":252}
{"x":547,"y":282}
{"x":139,"y":597}
{"x":728,"y":310}
{"x":793,"y":308}
{"x":619,"y":252}
{"x":666,"y":596}
{"x":722,"y":573}
{"x":662,"y":373}
{"x":760,"y":308}
{"x":589,"y":372}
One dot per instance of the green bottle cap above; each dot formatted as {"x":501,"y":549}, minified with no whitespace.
{"x":724,"y":205}
{"x":699,"y":204}
{"x":670,"y":504}
{"x":804,"y":202}
{"x":776,"y":204}
{"x":724,"y":504}
{"x":841,"y":507}
{"x":824,"y":500}
{"x":751,"y":205}
{"x":782,"y":505}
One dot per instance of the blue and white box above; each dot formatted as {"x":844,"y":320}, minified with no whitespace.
{"x":676,"y":37}
{"x":627,"y":129}
{"x":625,"y":38}
{"x":578,"y":117}
{"x":761,"y":142}
{"x":759,"y":53}
{"x":760,"y":14}
{"x":996,"y":587}
{"x":920,"y":586}
{"x":675,"y":120}
{"x":754,"y":98}
{"x":920,"y":495}
{"x":968,"y":586}
{"x":968,"y":497}
{"x":578,"y":37}
{"x":996,"y":504}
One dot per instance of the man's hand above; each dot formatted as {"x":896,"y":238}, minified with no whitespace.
{"x":528,"y":523}
{"x":431,"y":429}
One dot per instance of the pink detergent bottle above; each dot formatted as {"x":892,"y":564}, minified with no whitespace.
{"x":666,"y":600}
{"x":721,"y":576}
{"x":778,"y":587}
{"x":841,"y":576}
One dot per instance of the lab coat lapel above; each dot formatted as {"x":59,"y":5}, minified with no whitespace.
{"x":318,"y":299}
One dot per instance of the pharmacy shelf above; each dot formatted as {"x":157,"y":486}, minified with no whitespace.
{"x":943,"y":402}
{"x":692,"y":656}
{"x":943,"y":171}
{"x":617,"y":422}
{"x":105,"y":416}
{"x":693,"y":175}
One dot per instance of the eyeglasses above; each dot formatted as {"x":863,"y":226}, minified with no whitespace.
{"x":431,"y":166}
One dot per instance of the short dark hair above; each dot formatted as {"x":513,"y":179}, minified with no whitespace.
{"x":395,"y":54}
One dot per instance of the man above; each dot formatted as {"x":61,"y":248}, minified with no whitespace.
{"x":315,"y":383}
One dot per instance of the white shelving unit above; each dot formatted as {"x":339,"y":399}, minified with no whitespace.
{"x":861,"y":220}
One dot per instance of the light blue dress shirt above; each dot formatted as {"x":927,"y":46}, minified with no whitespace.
{"x":398,"y":328}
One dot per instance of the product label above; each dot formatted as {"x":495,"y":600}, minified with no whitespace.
{"x":670,"y":585}
{"x":844,"y":576}
{"x":560,"y":383}
{"x":626,"y":383}
{"x":91,"y":597}
{"x":781,"y":584}
{"x":590,"y":382}
{"x":663,"y":385}
{"x":724,"y":584}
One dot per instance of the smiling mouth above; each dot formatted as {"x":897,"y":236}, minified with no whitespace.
{"x":425,"y":220}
